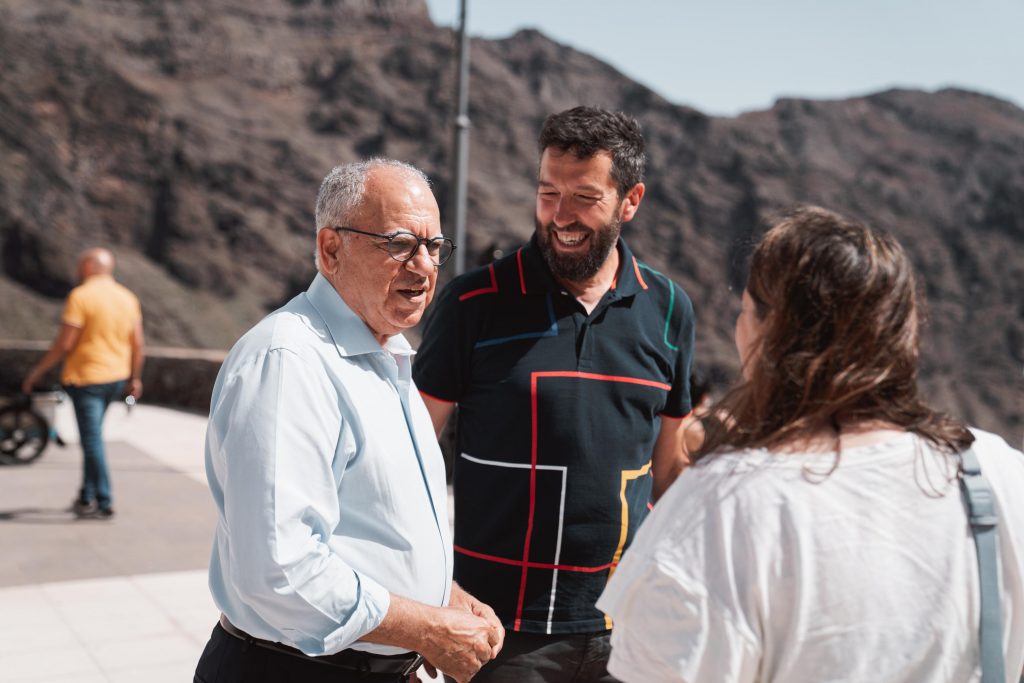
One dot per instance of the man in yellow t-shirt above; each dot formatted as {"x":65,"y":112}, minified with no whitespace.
{"x":101,"y":344}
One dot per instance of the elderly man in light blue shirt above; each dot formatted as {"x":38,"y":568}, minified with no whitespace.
{"x":332,"y":558}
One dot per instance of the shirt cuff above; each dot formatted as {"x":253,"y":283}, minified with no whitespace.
{"x":371,"y":607}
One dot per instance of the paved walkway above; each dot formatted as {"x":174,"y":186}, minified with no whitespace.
{"x":94,"y":601}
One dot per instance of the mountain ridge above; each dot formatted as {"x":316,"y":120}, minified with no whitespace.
{"x":191,"y":137}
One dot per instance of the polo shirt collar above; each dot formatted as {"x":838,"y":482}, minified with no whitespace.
{"x":348,"y":331}
{"x":537,"y":276}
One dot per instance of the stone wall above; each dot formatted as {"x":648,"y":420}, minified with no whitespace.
{"x":173,"y":377}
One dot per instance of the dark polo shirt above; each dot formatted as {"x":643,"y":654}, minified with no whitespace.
{"x":558,"y":414}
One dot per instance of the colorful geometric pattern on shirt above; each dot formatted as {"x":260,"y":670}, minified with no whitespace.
{"x":559,"y":411}
{"x":526,"y":564}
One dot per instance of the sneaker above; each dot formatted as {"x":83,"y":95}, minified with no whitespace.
{"x":104,"y":513}
{"x":84,"y":508}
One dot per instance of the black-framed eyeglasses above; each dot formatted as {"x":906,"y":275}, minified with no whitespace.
{"x":402,"y":245}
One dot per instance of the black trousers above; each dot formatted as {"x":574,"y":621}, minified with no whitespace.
{"x":540,"y":658}
{"x":228,"y":659}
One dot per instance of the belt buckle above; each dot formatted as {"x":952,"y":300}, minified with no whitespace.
{"x":413,"y":665}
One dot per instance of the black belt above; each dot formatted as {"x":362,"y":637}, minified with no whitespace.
{"x":353,"y":660}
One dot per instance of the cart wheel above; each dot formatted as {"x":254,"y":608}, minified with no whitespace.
{"x":24,"y":434}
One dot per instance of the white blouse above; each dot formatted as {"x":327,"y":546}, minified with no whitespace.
{"x":766,"y":567}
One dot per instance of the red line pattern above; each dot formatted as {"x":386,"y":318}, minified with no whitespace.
{"x":522,"y":277}
{"x":484,"y":290}
{"x":526,"y":564}
{"x":533,"y":500}
{"x":639,"y":277}
{"x":533,"y":565}
{"x":435,"y":398}
{"x":602,"y":378}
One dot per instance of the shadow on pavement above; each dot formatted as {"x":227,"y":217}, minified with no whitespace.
{"x":41,"y":516}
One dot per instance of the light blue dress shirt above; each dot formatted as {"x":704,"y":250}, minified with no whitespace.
{"x":328,"y":480}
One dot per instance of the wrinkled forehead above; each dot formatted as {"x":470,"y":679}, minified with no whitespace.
{"x":399,"y":200}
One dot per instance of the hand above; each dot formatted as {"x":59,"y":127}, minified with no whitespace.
{"x":457,"y":642}
{"x":135,"y":388}
{"x":465,"y":601}
{"x":29,"y":382}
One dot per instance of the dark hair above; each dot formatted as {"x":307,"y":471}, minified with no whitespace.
{"x":838,"y":342}
{"x":585,"y":131}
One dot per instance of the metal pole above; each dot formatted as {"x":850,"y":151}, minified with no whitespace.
{"x":461,"y":165}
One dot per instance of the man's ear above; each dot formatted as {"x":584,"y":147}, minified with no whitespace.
{"x":631,"y":202}
{"x":328,"y":246}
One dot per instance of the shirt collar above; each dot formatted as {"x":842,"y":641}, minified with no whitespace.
{"x":349,"y":332}
{"x":537,"y":277}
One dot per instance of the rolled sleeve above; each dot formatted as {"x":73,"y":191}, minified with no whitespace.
{"x":275,"y":433}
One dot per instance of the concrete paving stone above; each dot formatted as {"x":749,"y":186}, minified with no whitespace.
{"x":135,"y":653}
{"x":97,"y":590}
{"x":32,"y":666}
{"x":96,"y":677}
{"x":197,"y":626}
{"x":31,"y":624}
{"x":16,"y":638}
{"x":124,"y":605}
{"x":164,"y":521}
{"x":172,"y":437}
{"x":101,"y":631}
{"x":167,"y":588}
{"x":185,"y":599}
{"x":26,"y":606}
{"x":168,"y":672}
{"x":78,"y":599}
{"x":116,"y":611}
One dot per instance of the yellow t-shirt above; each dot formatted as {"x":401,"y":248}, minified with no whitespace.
{"x":106,"y":312}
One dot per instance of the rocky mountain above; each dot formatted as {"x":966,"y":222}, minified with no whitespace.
{"x":191,"y":136}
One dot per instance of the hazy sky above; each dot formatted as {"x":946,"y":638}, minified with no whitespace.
{"x":728,"y":56}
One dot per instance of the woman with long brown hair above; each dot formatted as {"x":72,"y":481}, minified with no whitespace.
{"x":821,"y":534}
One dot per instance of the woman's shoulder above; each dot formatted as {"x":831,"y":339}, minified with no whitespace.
{"x":1001,"y":463}
{"x":992,"y":443}
{"x":744,"y":482}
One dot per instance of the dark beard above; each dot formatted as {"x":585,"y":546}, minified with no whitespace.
{"x":584,"y":266}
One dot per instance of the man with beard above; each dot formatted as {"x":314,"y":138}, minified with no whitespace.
{"x":569,"y":361}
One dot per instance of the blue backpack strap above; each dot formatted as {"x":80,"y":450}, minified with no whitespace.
{"x":981,"y":510}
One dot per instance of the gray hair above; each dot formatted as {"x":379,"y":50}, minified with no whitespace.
{"x":341,"y":192}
